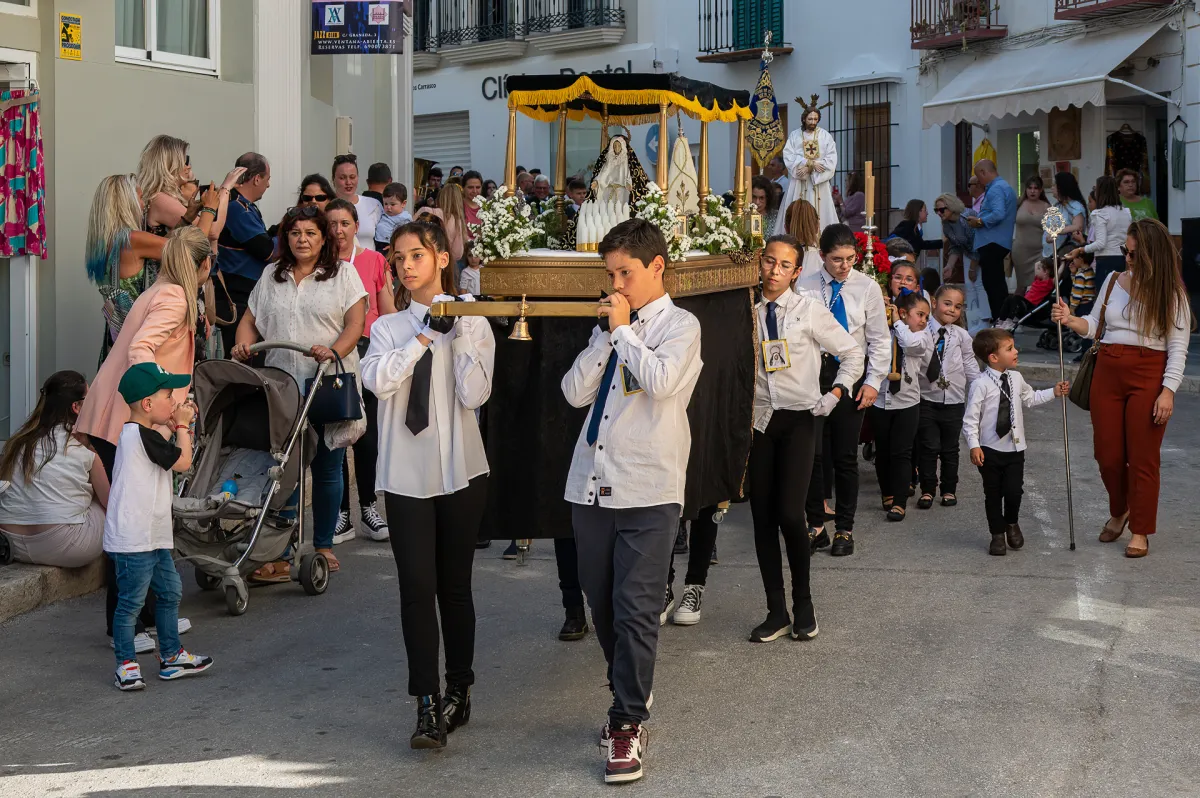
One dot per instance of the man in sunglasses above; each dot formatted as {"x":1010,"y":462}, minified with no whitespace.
{"x":244,"y":246}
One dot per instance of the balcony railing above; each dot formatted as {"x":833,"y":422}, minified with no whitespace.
{"x":733,"y":30}
{"x":473,"y":21}
{"x":549,"y":16}
{"x":1094,"y":9}
{"x":449,"y":23}
{"x":940,"y":24}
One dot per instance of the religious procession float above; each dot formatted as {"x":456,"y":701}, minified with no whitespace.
{"x":544,"y":278}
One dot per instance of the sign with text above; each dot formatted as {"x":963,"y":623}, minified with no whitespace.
{"x":70,"y":37}
{"x":357,"y":27}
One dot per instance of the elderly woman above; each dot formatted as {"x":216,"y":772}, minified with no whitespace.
{"x":53,"y":510}
{"x":1147,"y":322}
{"x":310,"y":298}
{"x":369,"y":209}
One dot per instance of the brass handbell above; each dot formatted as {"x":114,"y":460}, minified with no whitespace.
{"x":520,"y":331}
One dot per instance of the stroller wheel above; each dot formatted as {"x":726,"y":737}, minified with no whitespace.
{"x":207,"y":582}
{"x":314,"y":574}
{"x":235,"y":603}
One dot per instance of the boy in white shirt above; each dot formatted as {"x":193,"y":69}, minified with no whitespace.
{"x":627,"y":475}
{"x":995,"y":430}
{"x":137,"y":526}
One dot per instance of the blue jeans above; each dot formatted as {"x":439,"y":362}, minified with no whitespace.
{"x":327,"y":490}
{"x":138,"y":572}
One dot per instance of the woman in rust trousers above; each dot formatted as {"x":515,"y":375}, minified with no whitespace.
{"x":1147,"y":324}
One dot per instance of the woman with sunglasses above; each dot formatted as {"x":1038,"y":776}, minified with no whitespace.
{"x":1027,"y":234}
{"x":369,"y":209}
{"x":315,"y":188}
{"x":1147,"y":323}
{"x":313,"y":299}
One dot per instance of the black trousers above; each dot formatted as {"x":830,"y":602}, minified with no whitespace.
{"x":1014,"y":308}
{"x":991,"y":263}
{"x":895,"y":431}
{"x":366,"y":449}
{"x":433,"y":541}
{"x":1003,"y":480}
{"x":566,"y":553}
{"x":701,"y":541}
{"x":781,"y":462}
{"x":837,"y":435}
{"x":108,"y":455}
{"x":939,"y":429}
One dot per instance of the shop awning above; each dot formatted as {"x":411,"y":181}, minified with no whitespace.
{"x":1057,"y":74}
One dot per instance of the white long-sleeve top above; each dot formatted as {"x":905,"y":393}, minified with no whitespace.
{"x":641,"y":452}
{"x":983,"y":403}
{"x":914,"y":345}
{"x":449,"y":452}
{"x":1121,"y":327}
{"x":808,"y":328}
{"x":865,"y":313}
{"x":959,"y":366}
{"x":1108,"y":228}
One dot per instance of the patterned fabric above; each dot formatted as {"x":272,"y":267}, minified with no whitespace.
{"x":22,"y":176}
{"x":765,"y":133}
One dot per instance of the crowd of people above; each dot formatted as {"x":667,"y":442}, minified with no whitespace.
{"x":187,"y":272}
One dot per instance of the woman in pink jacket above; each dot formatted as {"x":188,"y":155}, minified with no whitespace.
{"x":160,"y":328}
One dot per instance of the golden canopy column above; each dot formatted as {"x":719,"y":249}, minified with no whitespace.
{"x":560,"y":167}
{"x":739,"y":171}
{"x":604,"y":128}
{"x":510,"y":154}
{"x":663,"y":146}
{"x":703,"y":182}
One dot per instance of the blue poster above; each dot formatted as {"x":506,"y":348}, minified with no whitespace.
{"x":364,"y":27}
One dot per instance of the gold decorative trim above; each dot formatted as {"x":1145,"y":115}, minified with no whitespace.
{"x":585,"y":278}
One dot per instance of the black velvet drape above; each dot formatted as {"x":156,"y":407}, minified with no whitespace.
{"x":531,"y":430}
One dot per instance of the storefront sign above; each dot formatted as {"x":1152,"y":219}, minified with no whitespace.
{"x":362,"y":27}
{"x":70,"y":37}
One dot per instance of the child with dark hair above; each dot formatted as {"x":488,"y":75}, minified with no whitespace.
{"x":1017,"y":307}
{"x":395,"y":200}
{"x":994,"y":426}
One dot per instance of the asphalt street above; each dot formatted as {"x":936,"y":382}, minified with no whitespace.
{"x":938,"y":671}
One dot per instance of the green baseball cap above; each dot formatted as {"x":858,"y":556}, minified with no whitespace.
{"x":147,"y":379}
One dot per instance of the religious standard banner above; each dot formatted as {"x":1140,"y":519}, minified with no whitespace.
{"x":765,"y":134}
{"x":357,"y":27}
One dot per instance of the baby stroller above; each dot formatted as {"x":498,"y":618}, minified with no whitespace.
{"x":252,"y":428}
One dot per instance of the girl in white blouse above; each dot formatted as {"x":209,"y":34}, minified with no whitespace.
{"x":1108,"y":223}
{"x":896,"y":411}
{"x":430,"y":375}
{"x":1147,"y":322}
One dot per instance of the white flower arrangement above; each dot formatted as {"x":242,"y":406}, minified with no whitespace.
{"x":506,"y":227}
{"x":655,"y":209}
{"x":715,"y":230}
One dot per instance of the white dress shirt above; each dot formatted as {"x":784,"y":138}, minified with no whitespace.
{"x":983,"y":402}
{"x":865,"y":315}
{"x":1121,"y":321}
{"x":959,"y":366}
{"x":915,"y":346}
{"x":449,"y":452}
{"x":808,"y":328}
{"x":641,"y":453}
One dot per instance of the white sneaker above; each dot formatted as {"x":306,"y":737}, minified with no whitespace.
{"x":129,"y":677}
{"x":344,"y":530}
{"x":688,"y":613}
{"x":668,"y":605}
{"x":626,"y":748}
{"x":185,"y":626}
{"x":373,"y":525}
{"x":142,"y":643}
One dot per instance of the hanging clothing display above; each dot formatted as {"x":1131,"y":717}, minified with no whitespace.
{"x":984,"y":152}
{"x":22,"y":176}
{"x":1178,"y":157}
{"x":1127,"y":149}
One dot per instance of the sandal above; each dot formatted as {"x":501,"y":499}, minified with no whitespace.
{"x":925,"y":502}
{"x":1107,"y":535}
{"x":949,"y":500}
{"x":273,"y":573}
{"x":334,"y":565}
{"x":896,"y":513}
{"x":888,"y":501}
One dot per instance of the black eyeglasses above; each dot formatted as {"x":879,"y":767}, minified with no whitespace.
{"x":303,"y":211}
{"x":313,"y":197}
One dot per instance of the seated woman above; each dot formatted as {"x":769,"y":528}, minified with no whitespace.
{"x":53,"y":510}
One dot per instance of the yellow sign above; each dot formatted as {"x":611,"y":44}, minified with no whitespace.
{"x":70,"y":37}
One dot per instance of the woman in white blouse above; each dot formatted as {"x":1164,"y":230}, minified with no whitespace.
{"x":1108,"y":224}
{"x":309,"y":298}
{"x":430,"y":375}
{"x":1147,"y":323}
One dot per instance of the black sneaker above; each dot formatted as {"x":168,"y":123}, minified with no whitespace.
{"x":774,"y":627}
{"x":343,"y":530}
{"x":804,"y":623}
{"x":818,"y":538}
{"x":712,"y":560}
{"x":511,"y":552}
{"x":668,"y":605}
{"x":681,"y":539}
{"x":843,"y":544}
{"x":575,"y":626}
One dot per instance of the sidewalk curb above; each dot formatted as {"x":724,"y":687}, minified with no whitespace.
{"x":1048,"y":372}
{"x":26,"y":587}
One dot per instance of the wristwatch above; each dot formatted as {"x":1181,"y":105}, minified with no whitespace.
{"x":844,"y":389}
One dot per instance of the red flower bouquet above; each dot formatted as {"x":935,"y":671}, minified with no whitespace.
{"x":881,"y":270}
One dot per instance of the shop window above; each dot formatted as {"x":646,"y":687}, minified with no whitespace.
{"x":173,"y":34}
{"x":23,"y":8}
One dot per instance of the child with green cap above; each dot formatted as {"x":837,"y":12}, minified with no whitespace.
{"x":137,"y":527}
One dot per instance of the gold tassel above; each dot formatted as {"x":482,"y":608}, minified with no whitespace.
{"x":527,"y":101}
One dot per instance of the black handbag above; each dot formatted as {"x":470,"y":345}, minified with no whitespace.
{"x":336,"y":398}
{"x":1081,"y":388}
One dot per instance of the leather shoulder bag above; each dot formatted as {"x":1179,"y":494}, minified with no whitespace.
{"x":1081,"y":388}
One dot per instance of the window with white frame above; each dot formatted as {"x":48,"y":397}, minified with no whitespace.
{"x":24,"y":8}
{"x":176,"y":34}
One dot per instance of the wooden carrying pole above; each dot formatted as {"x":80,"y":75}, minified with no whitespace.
{"x":703,"y":186}
{"x":510,"y":154}
{"x":739,"y":171}
{"x":663,"y":146}
{"x":560,"y":167}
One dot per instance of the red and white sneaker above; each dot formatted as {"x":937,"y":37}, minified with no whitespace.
{"x":626,"y":746}
{"x":129,"y":677}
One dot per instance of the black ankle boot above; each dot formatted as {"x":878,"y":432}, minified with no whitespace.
{"x":575,"y":626}
{"x":456,"y":706}
{"x":431,"y":723}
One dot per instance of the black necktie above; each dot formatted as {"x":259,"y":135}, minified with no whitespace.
{"x":772,"y":323}
{"x":416,"y":417}
{"x":935,"y":363}
{"x":1004,"y":411}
